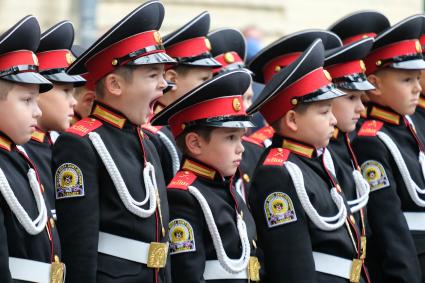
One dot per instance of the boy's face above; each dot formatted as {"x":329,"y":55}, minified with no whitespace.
{"x":189,"y":80}
{"x":422,"y":81}
{"x":398,"y":89}
{"x":347,"y":109}
{"x":57,"y":106}
{"x":85,"y":99}
{"x":316,"y":124}
{"x":140,"y":95}
{"x":19,"y":112}
{"x":223,"y":151}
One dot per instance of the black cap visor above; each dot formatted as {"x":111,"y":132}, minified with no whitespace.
{"x":354,"y":82}
{"x":323,"y":93}
{"x":62,"y":77}
{"x":154,"y":58}
{"x":30,"y":78}
{"x":242,"y":121}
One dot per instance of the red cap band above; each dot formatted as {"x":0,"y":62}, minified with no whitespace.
{"x":227,"y":59}
{"x":17,"y":58}
{"x":223,"y":106}
{"x":106,"y":61}
{"x":275,"y":65}
{"x":189,"y":48}
{"x":284,"y":100}
{"x":346,"y":68}
{"x":55,"y":59}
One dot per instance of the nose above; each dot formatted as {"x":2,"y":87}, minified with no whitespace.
{"x":37,"y":112}
{"x":240,"y":148}
{"x":418,"y":88}
{"x":333,"y":120}
{"x":72,"y":101}
{"x":162,"y":83}
{"x":360,"y":106}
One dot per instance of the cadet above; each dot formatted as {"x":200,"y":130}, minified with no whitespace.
{"x":211,"y":231}
{"x":229,"y":48}
{"x":347,"y":69}
{"x":110,"y":193}
{"x":189,"y":46}
{"x":279,"y":54}
{"x":297,"y":203}
{"x":84,"y":95}
{"x":419,"y":116}
{"x":391,"y":155}
{"x":29,"y":243}
{"x":56,"y":104}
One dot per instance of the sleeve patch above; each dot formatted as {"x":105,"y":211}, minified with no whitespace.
{"x":85,"y":126}
{"x":182,"y":239}
{"x":182,"y":180}
{"x":69,"y":181}
{"x":279,"y":209}
{"x":370,"y":128}
{"x":276,"y":156}
{"x":375,"y":175}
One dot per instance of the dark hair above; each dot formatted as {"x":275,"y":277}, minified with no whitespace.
{"x":300,"y":108}
{"x":126,"y":72}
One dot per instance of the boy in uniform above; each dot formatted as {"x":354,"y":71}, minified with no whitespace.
{"x":302,"y":219}
{"x":29,"y":245}
{"x":110,"y":194}
{"x":56,"y":104}
{"x":391,"y":155}
{"x":212,"y":233}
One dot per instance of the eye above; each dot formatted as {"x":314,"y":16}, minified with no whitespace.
{"x":231,"y":137}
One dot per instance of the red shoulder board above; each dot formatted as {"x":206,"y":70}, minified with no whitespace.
{"x":182,"y":180}
{"x":251,"y":140}
{"x":277,"y":156}
{"x":263,"y":134}
{"x":84,"y":126}
{"x":370,"y":128}
{"x":150,"y":128}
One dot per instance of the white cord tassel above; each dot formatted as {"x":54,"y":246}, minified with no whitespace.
{"x":172,"y":150}
{"x":362,"y":186}
{"x":148,"y":176}
{"x":323,"y":223}
{"x":33,"y":227}
{"x":412,"y":188}
{"x":230,"y":265}
{"x":240,"y":188}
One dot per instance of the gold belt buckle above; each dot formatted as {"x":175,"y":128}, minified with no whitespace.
{"x":356,"y":270}
{"x":363,"y":247}
{"x":57,"y":271}
{"x":157,"y":255}
{"x":254,"y":269}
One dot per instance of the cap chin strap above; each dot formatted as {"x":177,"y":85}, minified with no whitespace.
{"x":172,"y":150}
{"x":362,"y":186}
{"x":148,"y":177}
{"x":412,"y":188}
{"x":324,"y":223}
{"x":230,"y":265}
{"x":33,"y":227}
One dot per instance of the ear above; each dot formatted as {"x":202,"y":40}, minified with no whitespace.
{"x":289,"y":121}
{"x":171,"y":76}
{"x":377,"y":83}
{"x":114,"y":84}
{"x":194,"y":143}
{"x":88,"y":98}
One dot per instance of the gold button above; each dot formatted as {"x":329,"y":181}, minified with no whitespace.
{"x":327,"y":75}
{"x":277,"y":69}
{"x":208,"y":44}
{"x":57,"y":258}
{"x":418,"y":46}
{"x":69,"y":58}
{"x":52,"y":223}
{"x":294,"y":101}
{"x":378,"y":63}
{"x":114,"y":62}
{"x":183,"y":126}
{"x":229,"y":58}
{"x":157,"y":37}
{"x":352,"y":219}
{"x":246,"y":178}
{"x":362,"y":66}
{"x":236,"y":105}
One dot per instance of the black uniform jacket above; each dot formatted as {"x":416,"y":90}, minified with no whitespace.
{"x":15,"y":241}
{"x":188,"y":263}
{"x":391,"y":248}
{"x":87,"y":201}
{"x":286,"y":235}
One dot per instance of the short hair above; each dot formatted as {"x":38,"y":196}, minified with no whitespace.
{"x":300,"y":108}
{"x":5,"y":88}
{"x":126,"y":72}
{"x":203,"y":131}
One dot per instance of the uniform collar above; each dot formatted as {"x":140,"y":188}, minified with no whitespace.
{"x":38,"y":135}
{"x":201,"y":169}
{"x":6,"y":143}
{"x":296,"y":147}
{"x":384,"y":114}
{"x":110,"y":115}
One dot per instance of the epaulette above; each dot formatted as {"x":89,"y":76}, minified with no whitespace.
{"x":182,"y":180}
{"x":262,"y":134}
{"x":277,"y":156}
{"x":84,"y":126}
{"x":370,"y":128}
{"x":38,"y":136}
{"x":152,"y":129}
{"x":251,"y":140}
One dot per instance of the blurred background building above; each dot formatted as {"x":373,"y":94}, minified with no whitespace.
{"x":262,"y":20}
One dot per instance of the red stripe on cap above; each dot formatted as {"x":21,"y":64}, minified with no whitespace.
{"x":275,"y":65}
{"x":401,"y":48}
{"x":345,"y":69}
{"x":90,"y":85}
{"x":422,"y":39}
{"x":189,"y":48}
{"x":281,"y":103}
{"x":17,"y":58}
{"x":227,"y":59}
{"x":358,"y":37}
{"x":101,"y":63}
{"x":54,"y":59}
{"x":223,"y":106}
